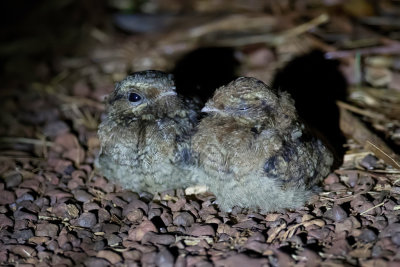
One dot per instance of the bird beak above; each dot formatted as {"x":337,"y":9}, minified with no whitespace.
{"x":207,"y":109}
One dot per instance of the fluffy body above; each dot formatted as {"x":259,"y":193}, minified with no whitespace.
{"x":254,"y":150}
{"x":145,"y":143}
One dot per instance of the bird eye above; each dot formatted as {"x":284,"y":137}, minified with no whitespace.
{"x":134,"y":98}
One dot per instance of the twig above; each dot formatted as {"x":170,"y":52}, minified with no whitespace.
{"x":24,"y":140}
{"x":393,"y":48}
{"x":360,"y":111}
{"x":365,"y":211}
{"x":273,"y":39}
{"x":387,"y":158}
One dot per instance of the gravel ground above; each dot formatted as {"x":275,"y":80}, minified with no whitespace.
{"x":55,"y":210}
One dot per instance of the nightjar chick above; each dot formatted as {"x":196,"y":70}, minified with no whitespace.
{"x":254,"y":150}
{"x":145,"y":136}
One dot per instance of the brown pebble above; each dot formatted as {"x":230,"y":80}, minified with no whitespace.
{"x":46,"y":229}
{"x":24,"y":251}
{"x":240,"y":260}
{"x":59,"y":260}
{"x":5,"y":221}
{"x":132,"y":255}
{"x":82,"y":196}
{"x":391,"y":230}
{"x":129,"y":196}
{"x":201,"y":230}
{"x":248,"y":224}
{"x":110,"y":228}
{"x":257,"y":246}
{"x":6,"y":197}
{"x":13,"y":179}
{"x":184,"y":219}
{"x":162,"y":239}
{"x":164,"y":258}
{"x":87,"y":220}
{"x":118,"y":202}
{"x":369,"y":162}
{"x":367,"y":236}
{"x":337,"y":213}
{"x":104,"y":215}
{"x":22,"y":215}
{"x":256,"y":236}
{"x":331,"y":179}
{"x":55,"y":128}
{"x":57,"y":194}
{"x":88,"y":206}
{"x":39,"y":239}
{"x":396,"y":239}
{"x":138,"y":232}
{"x":111,"y":256}
{"x":113,"y":239}
{"x":135,"y":215}
{"x":135,"y":204}
{"x":22,"y":235}
{"x":30,"y":184}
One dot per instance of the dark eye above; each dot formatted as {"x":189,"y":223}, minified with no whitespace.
{"x":134,"y":97}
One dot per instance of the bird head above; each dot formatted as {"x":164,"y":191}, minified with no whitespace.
{"x":145,"y":93}
{"x":244,"y":97}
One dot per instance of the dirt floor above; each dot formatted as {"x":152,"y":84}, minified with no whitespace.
{"x":339,"y":59}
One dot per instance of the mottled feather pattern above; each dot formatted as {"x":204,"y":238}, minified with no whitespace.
{"x":251,"y":150}
{"x":255,"y":151}
{"x":145,"y":137}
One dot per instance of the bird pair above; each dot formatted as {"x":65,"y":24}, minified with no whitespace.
{"x":251,"y":150}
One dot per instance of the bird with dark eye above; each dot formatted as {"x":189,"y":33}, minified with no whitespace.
{"x":134,"y":97}
{"x":252,"y":155}
{"x":146,"y":147}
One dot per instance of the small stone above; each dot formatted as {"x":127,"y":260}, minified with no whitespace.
{"x":88,"y":206}
{"x":201,"y":230}
{"x":331,"y":179}
{"x":82,"y":196}
{"x":110,"y":228}
{"x":256,"y":236}
{"x":13,"y":179}
{"x":184,"y":219}
{"x":369,"y":162}
{"x":164,"y":258}
{"x":24,"y":251}
{"x":396,"y":239}
{"x":5,"y":221}
{"x":137,"y":233}
{"x":96,"y":262}
{"x":135,"y":204}
{"x":55,"y":128}
{"x":87,"y":220}
{"x":162,"y":239}
{"x":104,"y":215}
{"x":134,"y":255}
{"x":6,"y":197}
{"x":135,"y":215}
{"x":39,"y":239}
{"x":23,"y":235}
{"x":390,"y":230}
{"x":46,"y":229}
{"x":113,"y":239}
{"x":111,"y":256}
{"x":337,"y":213}
{"x":129,"y":196}
{"x":242,"y":260}
{"x":22,"y":215}
{"x":367,"y":236}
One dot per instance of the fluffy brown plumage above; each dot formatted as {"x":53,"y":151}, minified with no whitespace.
{"x":254,"y":150}
{"x":146,"y":133}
